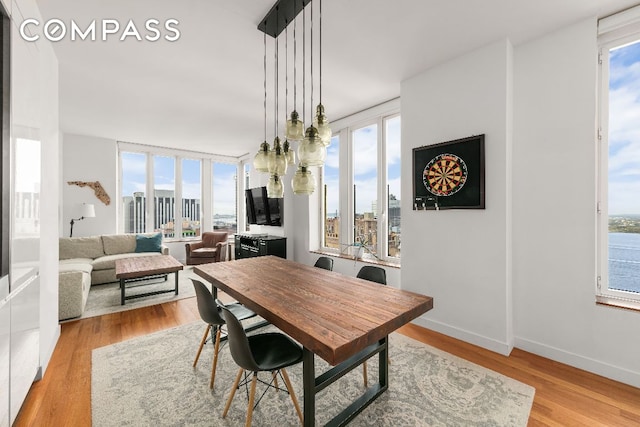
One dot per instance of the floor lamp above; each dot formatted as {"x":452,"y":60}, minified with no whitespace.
{"x":88,"y":211}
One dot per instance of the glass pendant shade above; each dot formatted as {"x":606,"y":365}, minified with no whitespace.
{"x":275,"y":190}
{"x":289,"y":154}
{"x":261,"y":160}
{"x":277,"y":163}
{"x":295,"y":127}
{"x":312,"y":151}
{"x":303,"y":181}
{"x":321,"y":123}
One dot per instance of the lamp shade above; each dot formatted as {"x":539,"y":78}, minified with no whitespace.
{"x":275,"y":190}
{"x":321,"y":123}
{"x":88,"y":210}
{"x":311,"y":151}
{"x":261,"y":160}
{"x":295,"y":127}
{"x":277,"y":161}
{"x":303,"y":181}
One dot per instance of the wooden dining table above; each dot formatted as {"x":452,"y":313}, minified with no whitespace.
{"x":340,"y":318}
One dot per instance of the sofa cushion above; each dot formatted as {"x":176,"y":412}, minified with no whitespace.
{"x":109,"y":261}
{"x":84,"y":267}
{"x":204,"y":252}
{"x":119,"y":243}
{"x":80,"y":247}
{"x":76,"y":261}
{"x":146,"y":243}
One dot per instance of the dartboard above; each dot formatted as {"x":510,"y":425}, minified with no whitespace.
{"x":445,"y":175}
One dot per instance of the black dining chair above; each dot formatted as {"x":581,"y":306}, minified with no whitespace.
{"x":373,"y":274}
{"x":269,"y":351}
{"x":324,"y":262}
{"x":210,"y":314}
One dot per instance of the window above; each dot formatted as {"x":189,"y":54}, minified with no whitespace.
{"x":191,"y":191}
{"x":365,"y":188}
{"x":133,"y":187}
{"x":164,"y":212}
{"x":619,"y":174}
{"x":331,"y":235}
{"x":178,"y":179}
{"x":392,"y":139}
{"x":361,"y":186}
{"x":224,"y":197}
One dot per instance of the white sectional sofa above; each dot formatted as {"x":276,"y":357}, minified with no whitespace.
{"x":87,"y":261}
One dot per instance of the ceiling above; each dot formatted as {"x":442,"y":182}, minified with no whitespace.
{"x":204,"y":92}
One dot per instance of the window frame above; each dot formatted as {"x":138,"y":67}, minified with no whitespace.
{"x":610,"y":36}
{"x":344,"y":129}
{"x":206,"y":177}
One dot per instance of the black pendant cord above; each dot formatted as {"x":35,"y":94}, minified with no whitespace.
{"x":295,"y":74}
{"x":286,"y":71}
{"x":265,"y":86}
{"x":311,"y":44}
{"x":275,"y":86}
{"x":304,"y":61}
{"x":320,"y":18}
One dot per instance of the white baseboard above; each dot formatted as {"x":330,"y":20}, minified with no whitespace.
{"x":581,"y":362}
{"x":461,"y":334}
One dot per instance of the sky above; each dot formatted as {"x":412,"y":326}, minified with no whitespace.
{"x":365,"y":167}
{"x":624,"y":130}
{"x":224,"y":187}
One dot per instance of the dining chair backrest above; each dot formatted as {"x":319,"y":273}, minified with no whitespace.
{"x":207,"y":307}
{"x":238,"y":342}
{"x":324,"y":262}
{"x":373,"y":274}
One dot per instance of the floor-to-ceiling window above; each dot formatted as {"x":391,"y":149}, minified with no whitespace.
{"x":177,"y":179}
{"x":361,"y":195}
{"x":619,"y":184}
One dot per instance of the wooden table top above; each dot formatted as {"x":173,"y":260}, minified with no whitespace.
{"x":136,"y":267}
{"x":331,"y":314}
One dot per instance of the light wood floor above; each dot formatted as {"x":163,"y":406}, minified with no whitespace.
{"x":565,"y":396}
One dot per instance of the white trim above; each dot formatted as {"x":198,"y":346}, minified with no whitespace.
{"x":464,"y":335}
{"x":619,"y":20}
{"x":592,"y":365}
{"x":175,"y":152}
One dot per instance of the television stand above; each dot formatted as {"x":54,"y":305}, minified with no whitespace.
{"x":253,"y":245}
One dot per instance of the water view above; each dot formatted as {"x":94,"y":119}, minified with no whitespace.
{"x":624,"y":261}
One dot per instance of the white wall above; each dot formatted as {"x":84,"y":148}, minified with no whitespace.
{"x":88,"y":158}
{"x":34,"y":109}
{"x":462,"y":257}
{"x":555,"y":214}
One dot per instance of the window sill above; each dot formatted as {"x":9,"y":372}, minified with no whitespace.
{"x":618,"y":303}
{"x":365,"y":260}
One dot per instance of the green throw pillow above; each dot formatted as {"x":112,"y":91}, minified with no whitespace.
{"x":149,"y":243}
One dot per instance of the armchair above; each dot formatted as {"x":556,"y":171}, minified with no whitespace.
{"x":212,"y":248}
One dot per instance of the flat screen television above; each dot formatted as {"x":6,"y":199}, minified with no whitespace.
{"x":262,"y":210}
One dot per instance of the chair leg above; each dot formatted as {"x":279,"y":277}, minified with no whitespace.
{"x":252,"y":395}
{"x":364,"y":374}
{"x":234,"y":387}
{"x":287,"y":382}
{"x":274,"y":375}
{"x":204,"y":339}
{"x":215,"y":357}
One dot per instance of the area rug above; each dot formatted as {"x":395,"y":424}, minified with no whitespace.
{"x":149,"y":381}
{"x":105,"y":298}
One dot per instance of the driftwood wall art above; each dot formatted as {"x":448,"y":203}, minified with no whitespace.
{"x":97,"y":189}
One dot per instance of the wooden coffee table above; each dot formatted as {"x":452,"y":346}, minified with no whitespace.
{"x":146,"y":267}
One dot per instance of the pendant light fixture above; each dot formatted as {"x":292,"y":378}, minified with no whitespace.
{"x":277,"y":163}
{"x":312,"y":141}
{"x":261,"y":160}
{"x":321,"y":122}
{"x":295,"y":126}
{"x":312,"y":150}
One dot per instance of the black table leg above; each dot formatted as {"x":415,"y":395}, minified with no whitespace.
{"x":309,"y":387}
{"x":176,"y":281}
{"x":121,"y":291}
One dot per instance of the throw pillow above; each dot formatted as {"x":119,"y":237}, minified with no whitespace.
{"x":151,"y":243}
